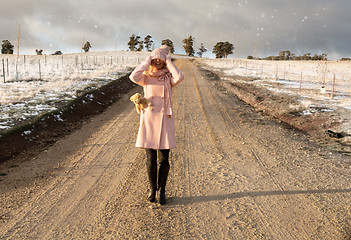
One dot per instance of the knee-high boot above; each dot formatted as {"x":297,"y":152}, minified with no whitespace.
{"x":163,"y":175}
{"x":151,"y":167}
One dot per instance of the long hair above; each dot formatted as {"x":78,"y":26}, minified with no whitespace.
{"x":153,"y":69}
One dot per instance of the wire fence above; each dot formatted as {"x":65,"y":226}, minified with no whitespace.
{"x":327,"y":78}
{"x":33,"y":85}
{"x":69,"y":66}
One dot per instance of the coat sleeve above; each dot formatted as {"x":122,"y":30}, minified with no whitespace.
{"x":177,"y":75}
{"x":137,"y":75}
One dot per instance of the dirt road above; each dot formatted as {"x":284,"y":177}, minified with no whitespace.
{"x":235,"y":174}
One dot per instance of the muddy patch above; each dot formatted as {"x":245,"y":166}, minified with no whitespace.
{"x":36,"y":135}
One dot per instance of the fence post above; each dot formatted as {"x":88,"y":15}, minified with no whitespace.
{"x":39,"y":70}
{"x":332,"y":96}
{"x":325,"y":73}
{"x":3,"y":69}
{"x":276,"y":73}
{"x":7,"y":66}
{"x":16,"y":68}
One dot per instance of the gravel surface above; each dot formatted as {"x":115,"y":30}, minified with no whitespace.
{"x":237,"y":173}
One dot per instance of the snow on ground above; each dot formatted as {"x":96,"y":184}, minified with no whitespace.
{"x":34,"y":85}
{"x":320,"y":86}
{"x":313,"y":81}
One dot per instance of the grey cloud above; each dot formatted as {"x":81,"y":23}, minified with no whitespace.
{"x":315,"y":26}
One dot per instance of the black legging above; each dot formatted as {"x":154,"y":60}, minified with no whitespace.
{"x":152,"y":157}
{"x":157,"y":179}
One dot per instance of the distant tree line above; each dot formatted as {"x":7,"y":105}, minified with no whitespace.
{"x":7,"y":48}
{"x":136,"y":43}
{"x":287,"y":55}
{"x":221,"y":49}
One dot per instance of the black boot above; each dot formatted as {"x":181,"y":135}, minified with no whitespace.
{"x":151,"y":167}
{"x":162,"y":198}
{"x":162,"y":176}
{"x":152,"y":175}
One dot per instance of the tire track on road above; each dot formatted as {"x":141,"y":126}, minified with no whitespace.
{"x":271,"y":172}
{"x":230,"y":178}
{"x":59,"y":192}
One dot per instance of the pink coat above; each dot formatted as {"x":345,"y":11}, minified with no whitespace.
{"x":156,"y":130}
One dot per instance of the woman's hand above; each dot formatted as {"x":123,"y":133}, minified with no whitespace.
{"x":148,"y":59}
{"x":168,"y":59}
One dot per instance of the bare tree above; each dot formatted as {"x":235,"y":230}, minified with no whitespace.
{"x":202,"y":49}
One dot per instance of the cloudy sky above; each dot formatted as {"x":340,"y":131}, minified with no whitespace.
{"x":255,"y":27}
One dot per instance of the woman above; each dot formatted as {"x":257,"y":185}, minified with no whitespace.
{"x":157,"y":74}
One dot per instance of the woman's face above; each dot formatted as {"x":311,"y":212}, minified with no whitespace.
{"x":158,"y":63}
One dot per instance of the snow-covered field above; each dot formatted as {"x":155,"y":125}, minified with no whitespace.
{"x":34,"y":85}
{"x":325,"y":84}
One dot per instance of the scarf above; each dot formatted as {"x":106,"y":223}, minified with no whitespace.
{"x":165,"y":76}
